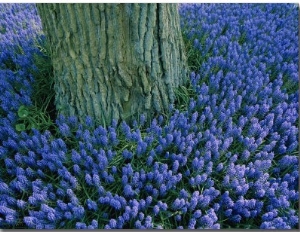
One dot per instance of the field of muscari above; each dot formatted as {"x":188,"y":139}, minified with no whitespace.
{"x":226,"y":155}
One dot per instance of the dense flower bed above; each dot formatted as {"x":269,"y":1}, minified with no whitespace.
{"x":229,"y":161}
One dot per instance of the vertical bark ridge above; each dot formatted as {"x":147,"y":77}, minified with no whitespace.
{"x":114,"y":61}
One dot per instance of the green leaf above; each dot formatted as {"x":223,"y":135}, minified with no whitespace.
{"x":23,"y":112}
{"x":34,"y":126}
{"x":20,"y":127}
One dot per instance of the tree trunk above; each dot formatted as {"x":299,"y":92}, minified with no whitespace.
{"x":114,"y":61}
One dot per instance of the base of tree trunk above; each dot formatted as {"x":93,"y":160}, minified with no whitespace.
{"x":114,"y":61}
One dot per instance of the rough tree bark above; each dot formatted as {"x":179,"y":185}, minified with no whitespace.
{"x":114,"y":61}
